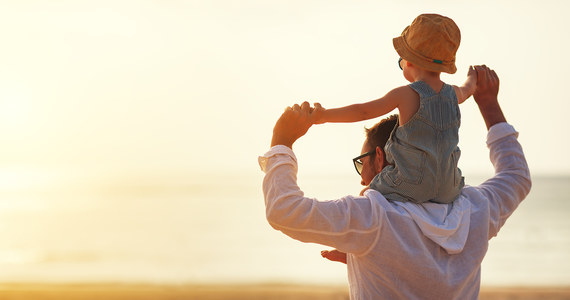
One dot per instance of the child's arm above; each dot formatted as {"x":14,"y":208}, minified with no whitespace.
{"x":468,"y":88}
{"x":361,"y":111}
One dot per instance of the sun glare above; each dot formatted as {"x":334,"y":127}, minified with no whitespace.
{"x":13,"y":178}
{"x":15,"y":107}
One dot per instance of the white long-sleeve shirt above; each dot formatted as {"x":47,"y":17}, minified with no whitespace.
{"x":403,"y":250}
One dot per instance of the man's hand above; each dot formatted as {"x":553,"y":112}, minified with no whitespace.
{"x":487,"y":85}
{"x":486,"y":96}
{"x":334,"y":255}
{"x":292,"y":124}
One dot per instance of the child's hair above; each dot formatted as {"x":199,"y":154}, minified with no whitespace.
{"x":378,"y":135}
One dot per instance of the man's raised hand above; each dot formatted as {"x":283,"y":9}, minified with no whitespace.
{"x":293,"y":124}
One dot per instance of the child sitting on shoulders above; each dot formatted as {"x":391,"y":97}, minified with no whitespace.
{"x":422,"y":150}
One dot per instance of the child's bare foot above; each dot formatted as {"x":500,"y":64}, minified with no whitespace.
{"x":334,"y":255}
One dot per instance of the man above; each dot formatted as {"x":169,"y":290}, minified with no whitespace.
{"x":401,"y":250}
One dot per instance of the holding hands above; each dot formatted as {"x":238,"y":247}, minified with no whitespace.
{"x":295,"y":122}
{"x":486,"y":96}
{"x":292,"y":125}
{"x":297,"y":119}
{"x":317,"y":114}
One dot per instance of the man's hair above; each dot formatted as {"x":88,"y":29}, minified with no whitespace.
{"x":378,"y":135}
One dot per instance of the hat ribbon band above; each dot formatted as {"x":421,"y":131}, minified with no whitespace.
{"x":419,"y":55}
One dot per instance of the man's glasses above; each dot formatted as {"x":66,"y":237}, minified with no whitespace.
{"x":400,"y":63}
{"x":358,"y":162}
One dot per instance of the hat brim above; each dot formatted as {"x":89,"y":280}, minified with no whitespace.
{"x":408,"y":54}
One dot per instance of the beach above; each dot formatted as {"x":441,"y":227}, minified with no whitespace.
{"x":237,"y":292}
{"x":56,"y":247}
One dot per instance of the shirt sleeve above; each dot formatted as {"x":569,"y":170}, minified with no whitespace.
{"x":512,"y":182}
{"x":350,"y":224}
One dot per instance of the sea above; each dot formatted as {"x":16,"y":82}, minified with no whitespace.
{"x":212,"y":230}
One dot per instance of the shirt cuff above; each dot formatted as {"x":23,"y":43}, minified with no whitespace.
{"x":276,"y":150}
{"x":499,"y":131}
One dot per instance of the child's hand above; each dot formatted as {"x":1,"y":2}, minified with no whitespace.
{"x":334,"y":255}
{"x":468,"y":88}
{"x":472,"y":74}
{"x":317,"y":114}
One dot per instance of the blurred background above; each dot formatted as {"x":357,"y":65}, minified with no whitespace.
{"x":130,"y":130}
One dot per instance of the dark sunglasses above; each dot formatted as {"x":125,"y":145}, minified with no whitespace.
{"x":358,"y":162}
{"x":400,"y":63}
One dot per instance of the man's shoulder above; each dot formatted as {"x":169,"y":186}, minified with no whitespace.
{"x":474,"y":195}
{"x":383,"y":204}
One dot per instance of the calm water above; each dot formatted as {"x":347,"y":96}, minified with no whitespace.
{"x":202,"y":233}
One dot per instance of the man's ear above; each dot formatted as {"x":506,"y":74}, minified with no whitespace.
{"x":379,"y":158}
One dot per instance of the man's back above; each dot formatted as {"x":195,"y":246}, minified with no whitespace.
{"x":435,"y":251}
{"x":406,"y":263}
{"x":404,"y":250}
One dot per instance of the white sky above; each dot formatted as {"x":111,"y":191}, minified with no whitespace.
{"x":135,"y":87}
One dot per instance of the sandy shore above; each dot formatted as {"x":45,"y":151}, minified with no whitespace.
{"x":237,"y":292}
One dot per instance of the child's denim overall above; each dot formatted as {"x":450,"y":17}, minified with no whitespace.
{"x":423,"y":153}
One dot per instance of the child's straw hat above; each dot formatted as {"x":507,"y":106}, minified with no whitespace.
{"x":430,"y":42}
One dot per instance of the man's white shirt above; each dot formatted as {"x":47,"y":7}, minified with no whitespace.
{"x":403,"y":250}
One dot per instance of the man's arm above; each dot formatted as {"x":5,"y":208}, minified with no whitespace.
{"x":349,"y":224}
{"x":512,"y":182}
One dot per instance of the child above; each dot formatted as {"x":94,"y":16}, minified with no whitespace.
{"x":422,"y":149}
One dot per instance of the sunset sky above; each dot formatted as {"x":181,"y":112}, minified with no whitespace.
{"x":105,"y":89}
{"x":130,"y":130}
